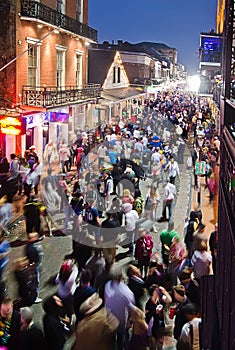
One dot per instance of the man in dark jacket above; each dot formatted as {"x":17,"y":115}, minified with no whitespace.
{"x":30,"y":336}
{"x":53,"y":328}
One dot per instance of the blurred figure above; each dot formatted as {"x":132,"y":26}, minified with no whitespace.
{"x":213,"y":244}
{"x":139,"y":337}
{"x":143,"y":250}
{"x":53,"y":328}
{"x":66,"y":279}
{"x":4,"y":166}
{"x":30,"y":336}
{"x":5,"y":250}
{"x":96,"y":319}
{"x":27,"y":282}
{"x":119,"y":299}
{"x":9,"y":324}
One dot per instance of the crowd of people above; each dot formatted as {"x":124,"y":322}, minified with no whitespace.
{"x":100,"y":190}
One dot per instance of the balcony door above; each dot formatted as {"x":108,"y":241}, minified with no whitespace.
{"x":60,"y":67}
{"x":33,"y":66}
{"x":79,"y":70}
{"x":61,"y":6}
{"x":79,"y":10}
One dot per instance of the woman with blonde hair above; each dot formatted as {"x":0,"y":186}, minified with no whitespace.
{"x":151,"y":204}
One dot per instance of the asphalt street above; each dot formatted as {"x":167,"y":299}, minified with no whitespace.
{"x":56,"y":247}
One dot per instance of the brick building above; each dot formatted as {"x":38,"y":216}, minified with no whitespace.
{"x":45,"y":83}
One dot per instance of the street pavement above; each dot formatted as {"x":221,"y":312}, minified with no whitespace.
{"x":56,"y":247}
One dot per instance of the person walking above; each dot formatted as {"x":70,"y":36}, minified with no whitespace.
{"x":168,"y":201}
{"x":34,"y":256}
{"x":99,"y":319}
{"x":52,"y":326}
{"x":9,"y":324}
{"x":166,"y":237}
{"x":173,"y":168}
{"x":66,"y":280}
{"x":143,"y":251}
{"x":131,"y":218}
{"x":30,"y":336}
{"x":158,"y":297}
{"x":5,"y":250}
{"x":119,"y":299}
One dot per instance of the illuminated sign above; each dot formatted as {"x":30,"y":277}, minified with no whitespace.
{"x":10,"y":125}
{"x":211,"y":44}
{"x":57,"y":117}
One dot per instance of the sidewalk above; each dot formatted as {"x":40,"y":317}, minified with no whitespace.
{"x":209,"y":211}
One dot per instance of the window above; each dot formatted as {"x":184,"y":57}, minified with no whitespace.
{"x":33,"y":74}
{"x":119,"y":75}
{"x":61,"y":6}
{"x":79,"y":10}
{"x":78,"y":70}
{"x":114,"y":75}
{"x":60,"y":68}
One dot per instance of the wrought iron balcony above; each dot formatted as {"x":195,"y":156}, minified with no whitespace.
{"x":34,"y":9}
{"x":47,"y":97}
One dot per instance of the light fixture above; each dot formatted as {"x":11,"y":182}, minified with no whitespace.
{"x":56,"y":31}
{"x":86,"y":43}
{"x":40,"y":26}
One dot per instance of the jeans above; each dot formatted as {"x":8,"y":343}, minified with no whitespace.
{"x":167,"y":204}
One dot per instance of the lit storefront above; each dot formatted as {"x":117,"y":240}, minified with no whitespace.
{"x":11,"y":129}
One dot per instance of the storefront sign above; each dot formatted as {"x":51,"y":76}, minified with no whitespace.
{"x":200,"y":168}
{"x":10,"y":125}
{"x":58,"y":117}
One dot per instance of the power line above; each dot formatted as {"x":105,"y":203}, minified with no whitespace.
{"x":22,"y":53}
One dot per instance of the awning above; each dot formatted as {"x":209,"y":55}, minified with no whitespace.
{"x":27,"y":110}
{"x":121,"y":94}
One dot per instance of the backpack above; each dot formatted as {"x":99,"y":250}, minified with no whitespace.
{"x":138,"y":205}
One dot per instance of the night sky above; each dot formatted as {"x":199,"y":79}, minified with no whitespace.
{"x":176,"y":23}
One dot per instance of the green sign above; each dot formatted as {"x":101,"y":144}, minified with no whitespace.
{"x":200,"y":168}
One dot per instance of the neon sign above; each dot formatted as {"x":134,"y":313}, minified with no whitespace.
{"x":10,"y":125}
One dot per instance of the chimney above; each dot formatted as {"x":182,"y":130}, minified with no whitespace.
{"x":119,"y":42}
{"x":112,"y":42}
{"x":105,"y":43}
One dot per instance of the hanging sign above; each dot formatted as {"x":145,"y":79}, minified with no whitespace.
{"x":10,"y":125}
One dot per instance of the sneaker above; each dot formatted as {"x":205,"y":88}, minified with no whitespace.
{"x":38,"y":300}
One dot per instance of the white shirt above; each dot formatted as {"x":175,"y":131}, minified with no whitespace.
{"x":156,"y":157}
{"x":185,"y":335}
{"x":102,"y":151}
{"x":169,"y":191}
{"x":174,"y":169}
{"x":136,"y":134}
{"x":70,"y":285}
{"x":118,"y":298}
{"x":201,"y":263}
{"x":131,"y":218}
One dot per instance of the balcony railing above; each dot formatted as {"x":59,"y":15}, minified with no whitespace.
{"x":34,"y":9}
{"x":53,"y":96}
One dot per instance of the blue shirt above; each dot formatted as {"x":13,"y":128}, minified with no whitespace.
{"x":4,"y":247}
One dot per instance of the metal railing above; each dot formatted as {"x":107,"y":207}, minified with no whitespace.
{"x":51,"y":96}
{"x":34,"y":9}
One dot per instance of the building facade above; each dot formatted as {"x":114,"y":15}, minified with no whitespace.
{"x":45,"y":78}
{"x":218,"y":290}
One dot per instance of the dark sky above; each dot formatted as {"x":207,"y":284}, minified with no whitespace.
{"x":176,"y":23}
